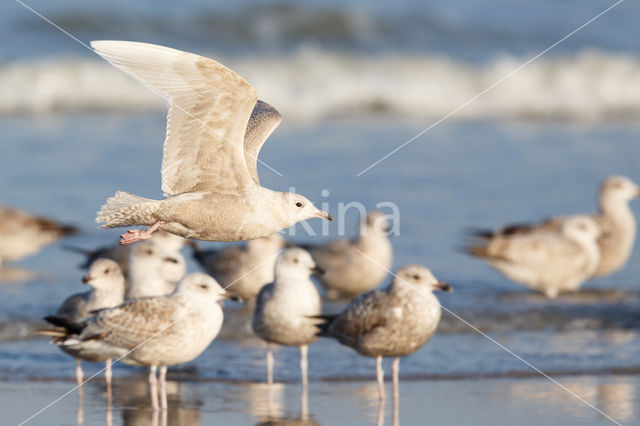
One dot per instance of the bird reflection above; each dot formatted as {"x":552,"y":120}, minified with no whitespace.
{"x":266,"y":406}
{"x":133,"y":398}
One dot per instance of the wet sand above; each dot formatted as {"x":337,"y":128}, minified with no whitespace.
{"x":460,"y":402}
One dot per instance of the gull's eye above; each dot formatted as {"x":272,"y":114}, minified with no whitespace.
{"x":106,"y":271}
{"x":149,"y":252}
{"x":204,"y":286}
{"x":295,"y":260}
{"x":416,"y":277}
{"x":298,"y":204}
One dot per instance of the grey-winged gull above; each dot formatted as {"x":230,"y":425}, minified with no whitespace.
{"x":156,"y":331}
{"x":615,"y":219}
{"x":392,"y":322}
{"x":285,"y":309}
{"x":350,"y":266}
{"x":243,"y":270}
{"x":212,"y":191}
{"x":546,"y":260}
{"x":107,"y":290}
{"x":23,"y":234}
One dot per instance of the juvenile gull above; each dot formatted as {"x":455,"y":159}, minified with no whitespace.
{"x":546,"y":260}
{"x":107,"y":290}
{"x":392,"y":322}
{"x":212,"y":191}
{"x":154,"y":270}
{"x":615,"y":219}
{"x":243,"y":270}
{"x":285,"y":309}
{"x":156,"y":331}
{"x":349,"y":265}
{"x":23,"y":234}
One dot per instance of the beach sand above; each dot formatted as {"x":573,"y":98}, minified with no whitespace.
{"x":506,"y":401}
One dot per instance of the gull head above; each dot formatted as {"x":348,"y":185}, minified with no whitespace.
{"x":104,"y":274}
{"x":295,"y":262}
{"x":581,"y":229}
{"x":421,"y":278}
{"x":199,"y":286}
{"x":298,"y":208}
{"x":150,"y":259}
{"x":375,"y":222}
{"x":617,"y":190}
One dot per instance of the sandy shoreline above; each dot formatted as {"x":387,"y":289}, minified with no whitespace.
{"x":504,"y":401}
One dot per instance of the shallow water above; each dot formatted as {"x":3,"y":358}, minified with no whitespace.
{"x":460,"y":174}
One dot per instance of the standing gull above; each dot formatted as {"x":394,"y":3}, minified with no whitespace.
{"x":349,"y":265}
{"x":615,"y":219}
{"x":209,"y":173}
{"x":393,"y":322}
{"x":243,"y":270}
{"x":153,"y":270}
{"x":285,"y":309}
{"x":23,"y":234}
{"x":545,"y":260}
{"x":107,"y":290}
{"x":156,"y":331}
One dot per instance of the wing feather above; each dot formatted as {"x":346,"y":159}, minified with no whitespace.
{"x":263,"y":121}
{"x":209,"y":108}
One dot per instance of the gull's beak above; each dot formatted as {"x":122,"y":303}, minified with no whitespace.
{"x":323,"y":215}
{"x":442,"y":286}
{"x":228,"y":295}
{"x":86,"y":279}
{"x":317,"y":271}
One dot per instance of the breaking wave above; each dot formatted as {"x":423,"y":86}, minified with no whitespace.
{"x":313,"y":84}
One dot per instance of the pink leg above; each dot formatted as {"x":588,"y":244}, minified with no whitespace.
{"x":380,"y":377}
{"x":138,"y":235}
{"x":395,"y":367}
{"x":107,"y":376}
{"x":163,"y":387}
{"x":269,"y":364}
{"x":153,"y":387}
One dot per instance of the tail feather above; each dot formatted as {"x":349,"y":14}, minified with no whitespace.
{"x":324,"y":321}
{"x":72,"y":327}
{"x":478,"y":251}
{"x":124,"y":209}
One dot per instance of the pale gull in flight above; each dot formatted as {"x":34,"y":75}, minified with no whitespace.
{"x":212,"y":191}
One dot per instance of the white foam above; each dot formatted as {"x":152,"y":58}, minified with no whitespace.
{"x":315,"y":84}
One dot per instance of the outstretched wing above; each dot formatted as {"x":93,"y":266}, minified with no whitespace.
{"x":209,"y":108}
{"x":263,"y":121}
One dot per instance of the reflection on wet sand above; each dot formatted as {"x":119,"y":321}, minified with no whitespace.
{"x":132,"y":398}
{"x":266,"y":405}
{"x":614,"y":399}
